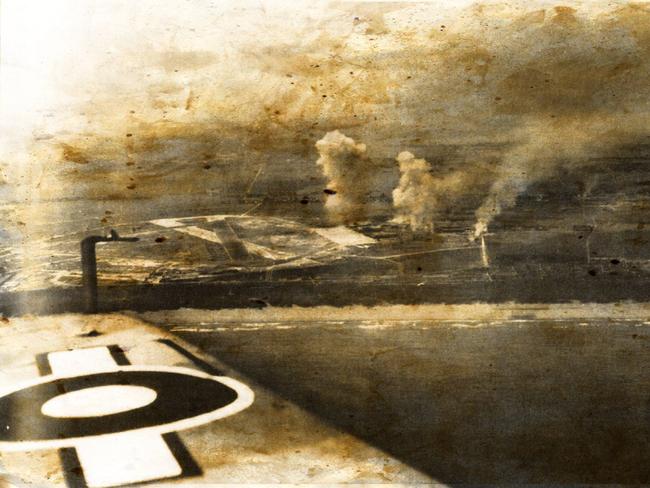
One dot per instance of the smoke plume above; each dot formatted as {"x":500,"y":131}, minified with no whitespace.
{"x":543,"y":149}
{"x":420,"y":196}
{"x":415,"y":198}
{"x":347,"y":166}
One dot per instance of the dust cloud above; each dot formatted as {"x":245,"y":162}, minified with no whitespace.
{"x":416,"y":196}
{"x":422,"y":195}
{"x":345,"y":164}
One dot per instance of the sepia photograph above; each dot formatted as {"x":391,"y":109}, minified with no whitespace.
{"x":324,"y":243}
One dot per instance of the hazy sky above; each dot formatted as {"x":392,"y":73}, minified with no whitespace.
{"x":149,"y":83}
{"x":59,"y":55}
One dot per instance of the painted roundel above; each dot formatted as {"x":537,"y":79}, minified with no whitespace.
{"x":178,"y":396}
{"x":55,"y":411}
{"x":106,"y":410}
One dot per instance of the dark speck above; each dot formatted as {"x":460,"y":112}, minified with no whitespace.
{"x":592,"y":272}
{"x":160,"y":239}
{"x":615,"y":261}
{"x":259,"y":302}
{"x":329,"y":192}
{"x":304,"y":200}
{"x":92,"y":333}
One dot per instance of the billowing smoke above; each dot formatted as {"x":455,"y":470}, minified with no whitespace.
{"x":420,"y":196}
{"x":415,"y":198}
{"x":348,"y":168}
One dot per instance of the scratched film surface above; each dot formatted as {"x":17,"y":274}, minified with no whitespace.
{"x":324,"y":242}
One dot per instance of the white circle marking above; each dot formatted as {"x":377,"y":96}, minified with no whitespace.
{"x":98,"y":401}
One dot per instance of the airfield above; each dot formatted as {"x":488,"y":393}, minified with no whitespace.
{"x":374,"y":354}
{"x":529,"y":368}
{"x":239,"y":261}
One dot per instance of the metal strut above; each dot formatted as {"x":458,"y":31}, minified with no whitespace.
{"x":89,"y":266}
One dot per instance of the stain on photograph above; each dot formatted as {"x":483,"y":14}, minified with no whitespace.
{"x":329,"y":242}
